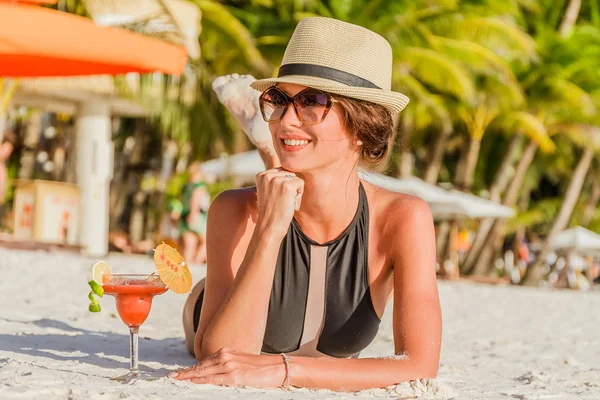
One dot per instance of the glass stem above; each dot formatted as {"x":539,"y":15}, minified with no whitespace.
{"x":133,"y":348}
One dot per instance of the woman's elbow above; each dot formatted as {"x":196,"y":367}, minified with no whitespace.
{"x":426,"y":369}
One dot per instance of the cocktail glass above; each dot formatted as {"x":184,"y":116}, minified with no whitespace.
{"x":133,"y":294}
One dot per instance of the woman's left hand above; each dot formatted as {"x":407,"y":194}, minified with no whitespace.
{"x":234,"y":368}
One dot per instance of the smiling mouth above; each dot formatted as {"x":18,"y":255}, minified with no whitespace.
{"x":294,"y":144}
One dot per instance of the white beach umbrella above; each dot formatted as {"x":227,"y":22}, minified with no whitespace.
{"x":578,"y":238}
{"x":470,"y":206}
{"x":444,"y":204}
{"x":241,"y":166}
{"x":411,"y":185}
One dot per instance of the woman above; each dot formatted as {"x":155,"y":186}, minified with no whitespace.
{"x":301,"y":267}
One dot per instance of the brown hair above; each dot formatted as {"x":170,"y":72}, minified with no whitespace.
{"x":373,"y":125}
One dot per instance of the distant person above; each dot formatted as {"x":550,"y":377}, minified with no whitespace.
{"x":195,"y":201}
{"x":6,"y":149}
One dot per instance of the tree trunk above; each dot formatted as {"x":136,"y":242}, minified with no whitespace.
{"x":441,"y":240}
{"x":498,"y":186}
{"x":471,"y":163}
{"x":570,"y":17}
{"x":406,"y":164}
{"x":461,"y":165}
{"x":504,"y":174}
{"x":450,"y":269}
{"x":590,"y":206}
{"x":535,"y":272}
{"x":493,"y":239}
{"x":407,"y":158}
{"x":432,"y":172}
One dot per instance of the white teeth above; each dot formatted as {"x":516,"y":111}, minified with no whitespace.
{"x":295,"y":142}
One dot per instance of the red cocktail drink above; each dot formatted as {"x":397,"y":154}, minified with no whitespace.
{"x":134,"y":300}
{"x":133,"y":294}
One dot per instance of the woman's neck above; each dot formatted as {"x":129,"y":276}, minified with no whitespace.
{"x":329,"y":202}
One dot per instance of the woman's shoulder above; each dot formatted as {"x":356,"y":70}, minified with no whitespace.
{"x":235,"y":202}
{"x":241,"y":197}
{"x":394,"y":208}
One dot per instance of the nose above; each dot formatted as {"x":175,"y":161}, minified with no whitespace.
{"x":290,"y":118}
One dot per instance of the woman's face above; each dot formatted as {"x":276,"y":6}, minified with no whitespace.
{"x":321,"y":145}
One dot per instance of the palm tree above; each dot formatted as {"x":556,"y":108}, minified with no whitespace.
{"x":554,"y":97}
{"x":520,"y":125}
{"x":588,"y":138}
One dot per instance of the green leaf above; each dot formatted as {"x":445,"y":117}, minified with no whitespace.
{"x":528,"y":125}
{"x":500,"y":36}
{"x":219,"y":15}
{"x":573,"y":95}
{"x":476,"y":57}
{"x":582,"y":135}
{"x":415,"y":90}
{"x":440,"y":72}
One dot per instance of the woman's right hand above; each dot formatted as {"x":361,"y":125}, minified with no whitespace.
{"x":278,"y":194}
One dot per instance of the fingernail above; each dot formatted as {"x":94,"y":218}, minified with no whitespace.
{"x":172,"y":374}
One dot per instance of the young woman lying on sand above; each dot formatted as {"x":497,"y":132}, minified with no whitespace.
{"x":301,"y":267}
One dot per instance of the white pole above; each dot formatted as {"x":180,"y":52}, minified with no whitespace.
{"x":94,"y":172}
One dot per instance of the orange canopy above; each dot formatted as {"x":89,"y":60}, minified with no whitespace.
{"x":30,"y":1}
{"x":37,"y":41}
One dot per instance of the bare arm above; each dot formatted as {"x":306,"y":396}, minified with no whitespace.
{"x":240,"y":274}
{"x":417,"y":317}
{"x":232,"y":302}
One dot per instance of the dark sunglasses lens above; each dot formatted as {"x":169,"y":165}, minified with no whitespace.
{"x":273,"y":104}
{"x":312,"y":105}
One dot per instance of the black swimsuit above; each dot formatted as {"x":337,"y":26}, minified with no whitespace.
{"x":320,"y":300}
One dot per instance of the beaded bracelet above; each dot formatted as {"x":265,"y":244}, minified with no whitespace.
{"x":286,"y":362}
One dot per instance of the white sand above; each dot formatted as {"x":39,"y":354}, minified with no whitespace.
{"x":499,"y":342}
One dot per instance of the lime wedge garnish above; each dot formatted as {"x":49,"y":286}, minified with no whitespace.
{"x":94,"y":307}
{"x":96,"y":288}
{"x":100,"y":272}
{"x":92,"y":298}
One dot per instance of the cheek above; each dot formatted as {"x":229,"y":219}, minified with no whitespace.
{"x":331,"y":133}
{"x":273,"y":128}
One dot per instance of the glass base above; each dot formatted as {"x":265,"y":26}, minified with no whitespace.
{"x":135,"y":376}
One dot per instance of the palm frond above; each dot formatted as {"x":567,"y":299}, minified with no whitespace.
{"x":503,"y":38}
{"x":232,"y":27}
{"x":476,"y":57}
{"x":572,"y":94}
{"x":532,"y":6}
{"x":520,"y":122}
{"x":407,"y":84}
{"x":543,"y":212}
{"x":440,"y":72}
{"x":583,"y":135}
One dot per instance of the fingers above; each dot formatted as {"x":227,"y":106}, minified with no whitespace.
{"x":221,"y":379}
{"x":280,"y":178}
{"x":269,"y":173}
{"x":223,"y":361}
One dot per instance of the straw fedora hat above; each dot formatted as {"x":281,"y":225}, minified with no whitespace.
{"x":340,"y":58}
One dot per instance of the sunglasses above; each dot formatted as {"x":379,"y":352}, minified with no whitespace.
{"x":311,"y":105}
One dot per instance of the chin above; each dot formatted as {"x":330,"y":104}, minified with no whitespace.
{"x":294,"y":165}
